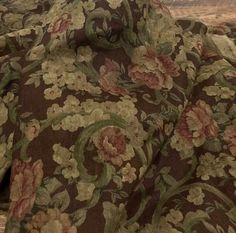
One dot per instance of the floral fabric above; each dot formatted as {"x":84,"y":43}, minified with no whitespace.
{"x":115,"y":118}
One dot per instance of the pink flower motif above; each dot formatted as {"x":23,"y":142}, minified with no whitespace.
{"x":109,"y":73}
{"x":111,"y":145}
{"x":154,"y":71}
{"x":196,"y":124}
{"x":230,"y":137}
{"x":61,"y":24}
{"x":26,"y":178}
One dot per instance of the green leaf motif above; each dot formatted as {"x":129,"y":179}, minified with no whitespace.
{"x":213,"y":145}
{"x":79,"y":217}
{"x":42,"y":197}
{"x":209,"y":227}
{"x":12,"y":226}
{"x":232,"y":214}
{"x":193,"y":218}
{"x":52,"y":184}
{"x":115,"y":217}
{"x":61,"y":200}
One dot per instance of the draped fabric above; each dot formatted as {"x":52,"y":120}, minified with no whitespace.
{"x":115,"y":118}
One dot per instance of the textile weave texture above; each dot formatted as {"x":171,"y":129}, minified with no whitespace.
{"x":115,"y":118}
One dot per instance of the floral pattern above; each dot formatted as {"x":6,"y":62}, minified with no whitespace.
{"x":114,"y":116}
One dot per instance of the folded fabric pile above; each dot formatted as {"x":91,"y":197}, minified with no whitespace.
{"x":115,"y":118}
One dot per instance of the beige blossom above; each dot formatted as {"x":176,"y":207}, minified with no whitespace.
{"x":196,"y":196}
{"x":128,"y":173}
{"x":52,"y":93}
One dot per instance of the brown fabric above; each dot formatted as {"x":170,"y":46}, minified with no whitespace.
{"x":115,"y":117}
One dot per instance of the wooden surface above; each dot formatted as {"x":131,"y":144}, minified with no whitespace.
{"x":209,"y":11}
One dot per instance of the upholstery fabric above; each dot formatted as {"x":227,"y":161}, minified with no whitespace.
{"x":114,"y":118}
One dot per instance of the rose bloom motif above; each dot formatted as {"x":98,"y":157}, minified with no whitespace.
{"x":230,"y":137}
{"x":112,"y":146}
{"x":154,"y":71}
{"x":51,"y":221}
{"x":109,"y":73}
{"x":26,"y":178}
{"x":195,"y":126}
{"x":61,"y":24}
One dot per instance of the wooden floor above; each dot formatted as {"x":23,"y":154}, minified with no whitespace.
{"x":209,"y":11}
{"x":213,"y":15}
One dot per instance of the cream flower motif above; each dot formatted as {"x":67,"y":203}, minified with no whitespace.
{"x":72,"y":123}
{"x":71,"y":104}
{"x":196,"y":196}
{"x":37,"y":52}
{"x":211,"y":166}
{"x":50,"y":221}
{"x":8,"y":97}
{"x":50,"y":78}
{"x":52,"y":226}
{"x":128,"y":173}
{"x":13,"y":21}
{"x":32,"y":129}
{"x":84,"y":54}
{"x":23,"y":6}
{"x":54,"y":111}
{"x":70,"y":169}
{"x":78,"y":82}
{"x":85,"y":191}
{"x":174,"y":216}
{"x":61,"y":154}
{"x":114,"y":3}
{"x":52,"y":93}
{"x":89,"y":5}
{"x":221,"y":92}
{"x":64,"y":158}
{"x":78,"y":17}
{"x":126,"y":109}
{"x":3,"y":113}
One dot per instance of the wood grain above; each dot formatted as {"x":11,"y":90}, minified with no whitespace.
{"x":210,"y":11}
